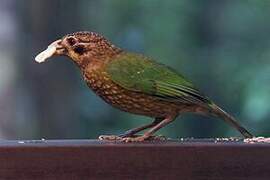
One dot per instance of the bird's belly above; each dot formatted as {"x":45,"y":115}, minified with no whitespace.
{"x":130,"y":101}
{"x":137,"y":103}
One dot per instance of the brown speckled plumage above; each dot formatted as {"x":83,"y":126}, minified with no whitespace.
{"x":134,"y":83}
{"x":99,"y":81}
{"x":138,"y":103}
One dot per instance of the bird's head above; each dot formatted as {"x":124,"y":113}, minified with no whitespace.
{"x":81,"y":47}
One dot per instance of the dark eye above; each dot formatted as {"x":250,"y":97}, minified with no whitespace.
{"x":79,"y":49}
{"x":71,"y":41}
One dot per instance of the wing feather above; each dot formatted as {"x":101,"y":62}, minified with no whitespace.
{"x":138,"y":73}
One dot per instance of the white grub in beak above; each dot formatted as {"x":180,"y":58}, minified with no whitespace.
{"x":49,"y":52}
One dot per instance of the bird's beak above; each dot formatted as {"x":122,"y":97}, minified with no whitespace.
{"x":55,"y":48}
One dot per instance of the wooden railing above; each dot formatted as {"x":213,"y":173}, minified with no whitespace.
{"x":91,"y":159}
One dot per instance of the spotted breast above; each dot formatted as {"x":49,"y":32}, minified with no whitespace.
{"x":129,"y":101}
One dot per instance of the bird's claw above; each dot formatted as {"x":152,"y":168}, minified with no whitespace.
{"x":144,"y":138}
{"x":109,"y":138}
{"x":135,"y":138}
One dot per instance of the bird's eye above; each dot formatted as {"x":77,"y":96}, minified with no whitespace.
{"x":79,"y":49}
{"x":71,"y":41}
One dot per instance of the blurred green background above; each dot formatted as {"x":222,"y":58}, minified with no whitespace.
{"x":222,"y":46}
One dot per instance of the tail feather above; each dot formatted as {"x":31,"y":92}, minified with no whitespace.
{"x":229,"y":119}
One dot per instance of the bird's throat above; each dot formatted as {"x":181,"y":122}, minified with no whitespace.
{"x":95,"y":62}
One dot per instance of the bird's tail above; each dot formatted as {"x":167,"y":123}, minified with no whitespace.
{"x":229,"y":119}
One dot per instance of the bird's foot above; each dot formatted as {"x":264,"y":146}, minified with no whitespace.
{"x":144,"y":138}
{"x":115,"y":137}
{"x":109,"y":138}
{"x":134,"y":138}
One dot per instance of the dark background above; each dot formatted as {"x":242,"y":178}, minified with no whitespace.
{"x":222,"y":46}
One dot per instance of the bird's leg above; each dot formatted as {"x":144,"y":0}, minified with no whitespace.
{"x":130,"y":132}
{"x":134,"y":131}
{"x":149,"y":133}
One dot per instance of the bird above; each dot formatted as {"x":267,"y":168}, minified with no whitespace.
{"x":135,"y":83}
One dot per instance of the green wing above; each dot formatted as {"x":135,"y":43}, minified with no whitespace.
{"x":138,"y":73}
